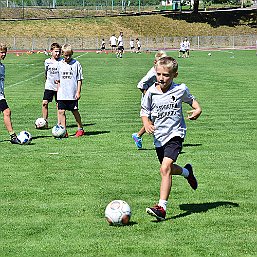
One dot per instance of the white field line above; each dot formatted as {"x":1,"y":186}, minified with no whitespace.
{"x":31,"y":78}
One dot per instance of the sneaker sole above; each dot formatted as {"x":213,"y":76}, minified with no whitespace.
{"x":150,"y":212}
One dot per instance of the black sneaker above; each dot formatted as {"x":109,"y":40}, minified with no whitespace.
{"x":157,"y":211}
{"x":14,"y":139}
{"x":191,"y":178}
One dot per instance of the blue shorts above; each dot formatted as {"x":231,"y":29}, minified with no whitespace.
{"x":69,"y":105}
{"x":49,"y":95}
{"x":3,"y":105}
{"x":171,"y":149}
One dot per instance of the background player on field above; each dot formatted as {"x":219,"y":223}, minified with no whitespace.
{"x":4,"y":108}
{"x":138,"y":45}
{"x":187,"y":47}
{"x":148,"y":80}
{"x":113,"y":43}
{"x":120,"y":45}
{"x":51,"y":75}
{"x":162,"y":115}
{"x":69,"y":88}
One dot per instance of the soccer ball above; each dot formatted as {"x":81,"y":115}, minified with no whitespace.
{"x":58,"y":131}
{"x":24,"y":137}
{"x":118,"y":213}
{"x":209,"y":54}
{"x":40,"y":123}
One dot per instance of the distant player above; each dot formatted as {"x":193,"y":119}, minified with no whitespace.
{"x":162,"y":116}
{"x":113,"y":43}
{"x":187,"y":47}
{"x":69,"y":88}
{"x":120,"y":45}
{"x":148,"y":80}
{"x":182,"y":50}
{"x":132,"y":45}
{"x":138,"y":45}
{"x":51,"y":75}
{"x":103,"y":45}
{"x":4,"y":108}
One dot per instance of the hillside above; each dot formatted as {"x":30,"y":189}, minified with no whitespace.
{"x":146,"y":25}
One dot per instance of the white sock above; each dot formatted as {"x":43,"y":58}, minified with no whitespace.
{"x":185,"y":172}
{"x":163,"y":204}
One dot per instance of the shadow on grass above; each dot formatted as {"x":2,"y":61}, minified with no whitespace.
{"x":199,"y":207}
{"x":202,"y":207}
{"x":84,"y":125}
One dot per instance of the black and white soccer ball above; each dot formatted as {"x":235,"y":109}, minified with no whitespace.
{"x":40,"y":123}
{"x":24,"y":137}
{"x":58,"y":131}
{"x":118,"y":213}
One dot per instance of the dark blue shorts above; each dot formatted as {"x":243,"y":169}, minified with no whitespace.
{"x":171,"y":149}
{"x":3,"y":105}
{"x":49,"y":95}
{"x":69,"y":105}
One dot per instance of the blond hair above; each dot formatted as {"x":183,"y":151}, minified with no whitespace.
{"x":168,"y":62}
{"x":159,"y":55}
{"x":67,"y":48}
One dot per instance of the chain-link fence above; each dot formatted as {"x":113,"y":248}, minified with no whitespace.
{"x":148,"y":43}
{"x":39,"y":9}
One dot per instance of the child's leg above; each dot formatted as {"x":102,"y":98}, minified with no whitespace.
{"x":7,"y":120}
{"x":45,"y":109}
{"x":141,"y":132}
{"x":168,"y":168}
{"x":62,"y":118}
{"x":77,"y":117}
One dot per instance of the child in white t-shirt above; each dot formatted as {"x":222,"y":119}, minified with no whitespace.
{"x":69,"y":88}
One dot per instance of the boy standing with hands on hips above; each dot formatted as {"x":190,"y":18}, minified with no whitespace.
{"x":161,"y":112}
{"x":69,"y":88}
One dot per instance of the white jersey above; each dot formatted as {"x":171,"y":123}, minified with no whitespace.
{"x":187,"y":44}
{"x":165,"y":111}
{"x":182,"y":47}
{"x":120,"y":41}
{"x":148,"y":80}
{"x":113,"y":41}
{"x":131,"y":43}
{"x":2,"y":77}
{"x":69,"y":74}
{"x":51,"y":71}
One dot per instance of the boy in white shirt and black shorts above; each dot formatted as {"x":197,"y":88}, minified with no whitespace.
{"x":162,"y":116}
{"x":52,"y":76}
{"x":69,"y":88}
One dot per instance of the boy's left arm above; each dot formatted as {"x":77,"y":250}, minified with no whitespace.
{"x":196,"y":112}
{"x":78,"y":90}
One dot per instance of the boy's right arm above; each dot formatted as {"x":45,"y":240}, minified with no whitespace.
{"x":149,"y":127}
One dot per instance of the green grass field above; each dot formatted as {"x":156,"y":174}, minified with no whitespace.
{"x":53,"y":193}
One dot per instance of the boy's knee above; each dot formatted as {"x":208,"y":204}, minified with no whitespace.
{"x":45,"y":103}
{"x":7,"y":112}
{"x":165,"y":170}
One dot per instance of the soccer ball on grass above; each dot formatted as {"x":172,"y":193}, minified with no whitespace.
{"x":58,"y":131}
{"x":24,"y":137}
{"x":40,"y":123}
{"x":118,"y":213}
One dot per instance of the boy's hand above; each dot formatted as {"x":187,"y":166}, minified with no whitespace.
{"x":77,"y":96}
{"x":149,"y":128}
{"x":194,"y":114}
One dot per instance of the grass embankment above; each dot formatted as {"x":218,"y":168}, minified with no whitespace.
{"x":149,"y":25}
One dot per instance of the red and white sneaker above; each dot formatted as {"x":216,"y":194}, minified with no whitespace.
{"x":80,"y":133}
{"x":157,"y":211}
{"x":191,"y":179}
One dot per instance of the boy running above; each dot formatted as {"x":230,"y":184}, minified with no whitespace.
{"x":162,"y":116}
{"x":69,"y":88}
{"x":3,"y":103}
